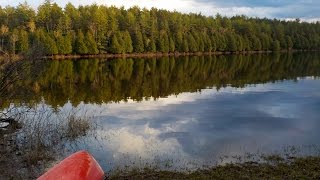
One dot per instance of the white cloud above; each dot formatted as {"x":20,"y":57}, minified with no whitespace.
{"x":305,"y":10}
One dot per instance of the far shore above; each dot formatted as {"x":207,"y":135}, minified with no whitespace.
{"x":143,"y":55}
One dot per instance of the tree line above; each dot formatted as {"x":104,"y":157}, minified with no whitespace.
{"x":97,"y":29}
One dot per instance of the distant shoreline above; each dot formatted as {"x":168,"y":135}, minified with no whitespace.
{"x":159,"y":54}
{"x":144,"y":55}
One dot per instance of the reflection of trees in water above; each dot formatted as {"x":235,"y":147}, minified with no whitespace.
{"x":98,"y":81}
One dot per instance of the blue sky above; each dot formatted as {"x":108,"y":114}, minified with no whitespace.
{"x":308,"y":10}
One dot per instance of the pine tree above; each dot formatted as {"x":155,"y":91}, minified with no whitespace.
{"x":115,"y":46}
{"x":276,"y":45}
{"x":23,"y":42}
{"x":91,"y":44}
{"x":256,"y":44}
{"x":163,"y":42}
{"x":231,"y":43}
{"x":185,"y":45}
{"x":127,"y":42}
{"x":80,"y":45}
{"x":192,"y":43}
{"x":171,"y":45}
{"x":68,"y":44}
{"x":289,"y":43}
{"x":61,"y":45}
{"x":137,"y":42}
{"x":14,"y":37}
{"x":50,"y":45}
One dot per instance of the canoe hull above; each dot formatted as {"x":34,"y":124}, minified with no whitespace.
{"x":78,"y":166}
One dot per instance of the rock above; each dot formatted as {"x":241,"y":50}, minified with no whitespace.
{"x":4,"y":125}
{"x":9,"y":123}
{"x":9,"y":120}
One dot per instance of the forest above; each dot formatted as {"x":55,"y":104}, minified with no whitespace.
{"x":99,"y":29}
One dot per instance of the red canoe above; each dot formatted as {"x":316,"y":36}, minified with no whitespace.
{"x":78,"y":166}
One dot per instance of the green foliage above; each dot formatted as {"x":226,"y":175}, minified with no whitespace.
{"x":231,"y":43}
{"x":50,"y":45}
{"x":13,"y":38}
{"x":171,"y":45}
{"x":64,"y":44}
{"x":80,"y":45}
{"x":127,"y":42}
{"x":150,"y":45}
{"x":255,"y":44}
{"x":141,"y":30}
{"x":163,"y":42}
{"x":91,"y":43}
{"x":116,"y":44}
{"x":23,"y":41}
{"x":44,"y":41}
{"x":137,"y":41}
{"x":192,"y":43}
{"x":290,"y":43}
{"x":276,"y":45}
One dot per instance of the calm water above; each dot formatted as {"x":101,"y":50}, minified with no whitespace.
{"x":186,"y":112}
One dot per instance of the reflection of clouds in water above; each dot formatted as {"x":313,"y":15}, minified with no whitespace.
{"x":139,"y":143}
{"x":142,"y":145}
{"x":200,"y":127}
{"x":115,"y":108}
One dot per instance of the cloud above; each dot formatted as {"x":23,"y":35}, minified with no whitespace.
{"x":307,"y":10}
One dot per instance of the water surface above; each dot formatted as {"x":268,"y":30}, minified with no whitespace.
{"x":187,"y":112}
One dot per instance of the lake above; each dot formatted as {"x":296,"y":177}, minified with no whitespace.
{"x":185,"y":112}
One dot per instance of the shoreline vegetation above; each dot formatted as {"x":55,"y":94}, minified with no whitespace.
{"x":108,"y":31}
{"x":275,"y":168}
{"x":160,"y":54}
{"x":143,"y":55}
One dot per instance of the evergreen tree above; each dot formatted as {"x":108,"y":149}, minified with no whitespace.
{"x":231,"y":43}
{"x":80,"y":45}
{"x":68,"y":44}
{"x":50,"y":45}
{"x":137,"y":42}
{"x":53,"y":29}
{"x":192,"y":43}
{"x":289,"y":42}
{"x":163,"y":42}
{"x":185,"y":45}
{"x":151,"y":45}
{"x":61,"y":45}
{"x":14,"y":37}
{"x":115,"y":46}
{"x":171,"y":45}
{"x":178,"y":40}
{"x":255,"y":44}
{"x":207,"y":43}
{"x":91,"y":43}
{"x":127,"y":42}
{"x":64,"y":44}
{"x":276,"y":45}
{"x":23,"y":42}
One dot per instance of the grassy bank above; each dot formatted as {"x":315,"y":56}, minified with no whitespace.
{"x":298,"y":168}
{"x":27,"y":151}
